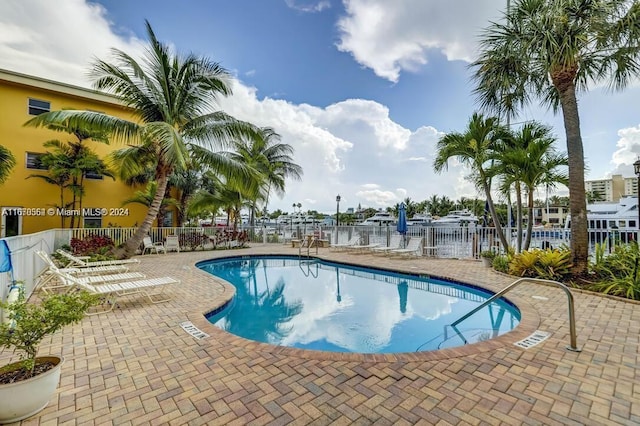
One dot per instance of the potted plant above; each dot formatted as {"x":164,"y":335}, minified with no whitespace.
{"x":487,"y":257}
{"x":26,"y":386}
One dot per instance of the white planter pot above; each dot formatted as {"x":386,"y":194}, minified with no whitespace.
{"x":487,"y":262}
{"x":24,"y":399}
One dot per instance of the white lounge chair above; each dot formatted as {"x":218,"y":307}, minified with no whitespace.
{"x":414,"y":247}
{"x":47,"y":279}
{"x":172,"y":243}
{"x":394,"y":243}
{"x":355,"y":240}
{"x":112,"y":291}
{"x":362,"y":247}
{"x":150,"y":245}
{"x":81,"y":261}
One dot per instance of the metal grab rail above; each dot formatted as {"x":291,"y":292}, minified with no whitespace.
{"x":307,"y":242}
{"x":572,"y":317}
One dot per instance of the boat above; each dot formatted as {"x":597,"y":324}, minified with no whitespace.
{"x":381,"y":218}
{"x":301,"y":219}
{"x":420,"y":219}
{"x":456,"y":218}
{"x":620,"y":217}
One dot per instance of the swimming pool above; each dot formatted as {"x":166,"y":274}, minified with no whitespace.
{"x":326,"y":306}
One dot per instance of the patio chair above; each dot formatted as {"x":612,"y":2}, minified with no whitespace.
{"x":47,"y":279}
{"x":81,"y":261}
{"x":394,"y":243}
{"x":355,"y":240}
{"x":151,"y":288}
{"x":361,"y":248}
{"x":172,"y":243}
{"x":414,"y":247}
{"x":150,"y":245}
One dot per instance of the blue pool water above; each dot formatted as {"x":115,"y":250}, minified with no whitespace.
{"x":318,"y":305}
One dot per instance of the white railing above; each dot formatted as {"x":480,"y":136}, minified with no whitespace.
{"x":451,"y":242}
{"x":27,"y":266}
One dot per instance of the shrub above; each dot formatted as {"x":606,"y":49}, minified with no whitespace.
{"x":501,"y":263}
{"x":91,"y":245}
{"x":29,"y":323}
{"x":553,"y":264}
{"x":488,"y":254}
{"x":192,"y":241}
{"x":545,"y":264}
{"x":619,"y":273}
{"x":523,"y":264}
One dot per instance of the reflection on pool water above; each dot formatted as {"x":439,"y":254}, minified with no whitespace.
{"x":318,"y":305}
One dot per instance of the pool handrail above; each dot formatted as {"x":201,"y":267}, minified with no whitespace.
{"x":572,"y":318}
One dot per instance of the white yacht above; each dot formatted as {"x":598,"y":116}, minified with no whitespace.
{"x":621,"y":215}
{"x":420,"y":219}
{"x":381,"y":218}
{"x":456,"y":218}
{"x":300,"y":219}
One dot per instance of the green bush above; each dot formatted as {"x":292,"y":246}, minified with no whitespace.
{"x":545,"y":264}
{"x":619,"y":273}
{"x":29,"y":323}
{"x":501,"y":263}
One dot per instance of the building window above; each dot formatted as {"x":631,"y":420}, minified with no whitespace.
{"x":167,"y":221}
{"x":34,"y":162}
{"x":92,"y":218}
{"x":37,"y":107}
{"x":91,"y":175}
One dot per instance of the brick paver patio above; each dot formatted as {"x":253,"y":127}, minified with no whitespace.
{"x":136,"y":365}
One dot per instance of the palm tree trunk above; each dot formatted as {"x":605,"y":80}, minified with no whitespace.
{"x":519,"y":217}
{"x":577,"y":205}
{"x":62,"y":216}
{"x":134,"y":242}
{"x":527,"y":242}
{"x":494,"y":215}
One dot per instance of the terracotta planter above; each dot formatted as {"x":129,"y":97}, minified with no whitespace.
{"x":23,"y":399}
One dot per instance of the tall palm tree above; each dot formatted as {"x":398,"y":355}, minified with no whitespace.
{"x":216,"y":194}
{"x":7,"y":162}
{"x":528,"y":158}
{"x":173,"y":98}
{"x":473,"y":148}
{"x":270,"y":159}
{"x":82,"y":160}
{"x":550,"y":50}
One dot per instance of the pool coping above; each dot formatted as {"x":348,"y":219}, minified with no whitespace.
{"x":529,"y":323}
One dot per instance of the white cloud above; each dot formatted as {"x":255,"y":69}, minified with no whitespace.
{"x":352,"y":148}
{"x":57,"y":40}
{"x":390,"y":37}
{"x":628,"y":151}
{"x":308,"y":7}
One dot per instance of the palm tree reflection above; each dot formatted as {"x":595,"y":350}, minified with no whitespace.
{"x":270,"y":311}
{"x":403,"y":291}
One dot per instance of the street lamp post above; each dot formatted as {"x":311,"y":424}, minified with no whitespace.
{"x":636,"y":169}
{"x":337,"y":209}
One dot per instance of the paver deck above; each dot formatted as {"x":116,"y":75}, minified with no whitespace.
{"x":136,"y":365}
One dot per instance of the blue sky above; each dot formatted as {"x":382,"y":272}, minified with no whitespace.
{"x":362,"y":89}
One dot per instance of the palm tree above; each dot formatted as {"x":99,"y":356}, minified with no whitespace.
{"x":82,"y":160}
{"x":527,"y":158}
{"x":173,"y":98}
{"x":550,"y":50}
{"x":473,"y":148}
{"x":218,"y":194}
{"x":270,"y":159}
{"x":7,"y":162}
{"x":146,"y":197}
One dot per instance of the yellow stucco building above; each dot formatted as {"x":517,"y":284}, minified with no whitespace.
{"x":28,"y":204}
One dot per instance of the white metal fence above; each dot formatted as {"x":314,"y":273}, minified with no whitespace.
{"x":450,"y":242}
